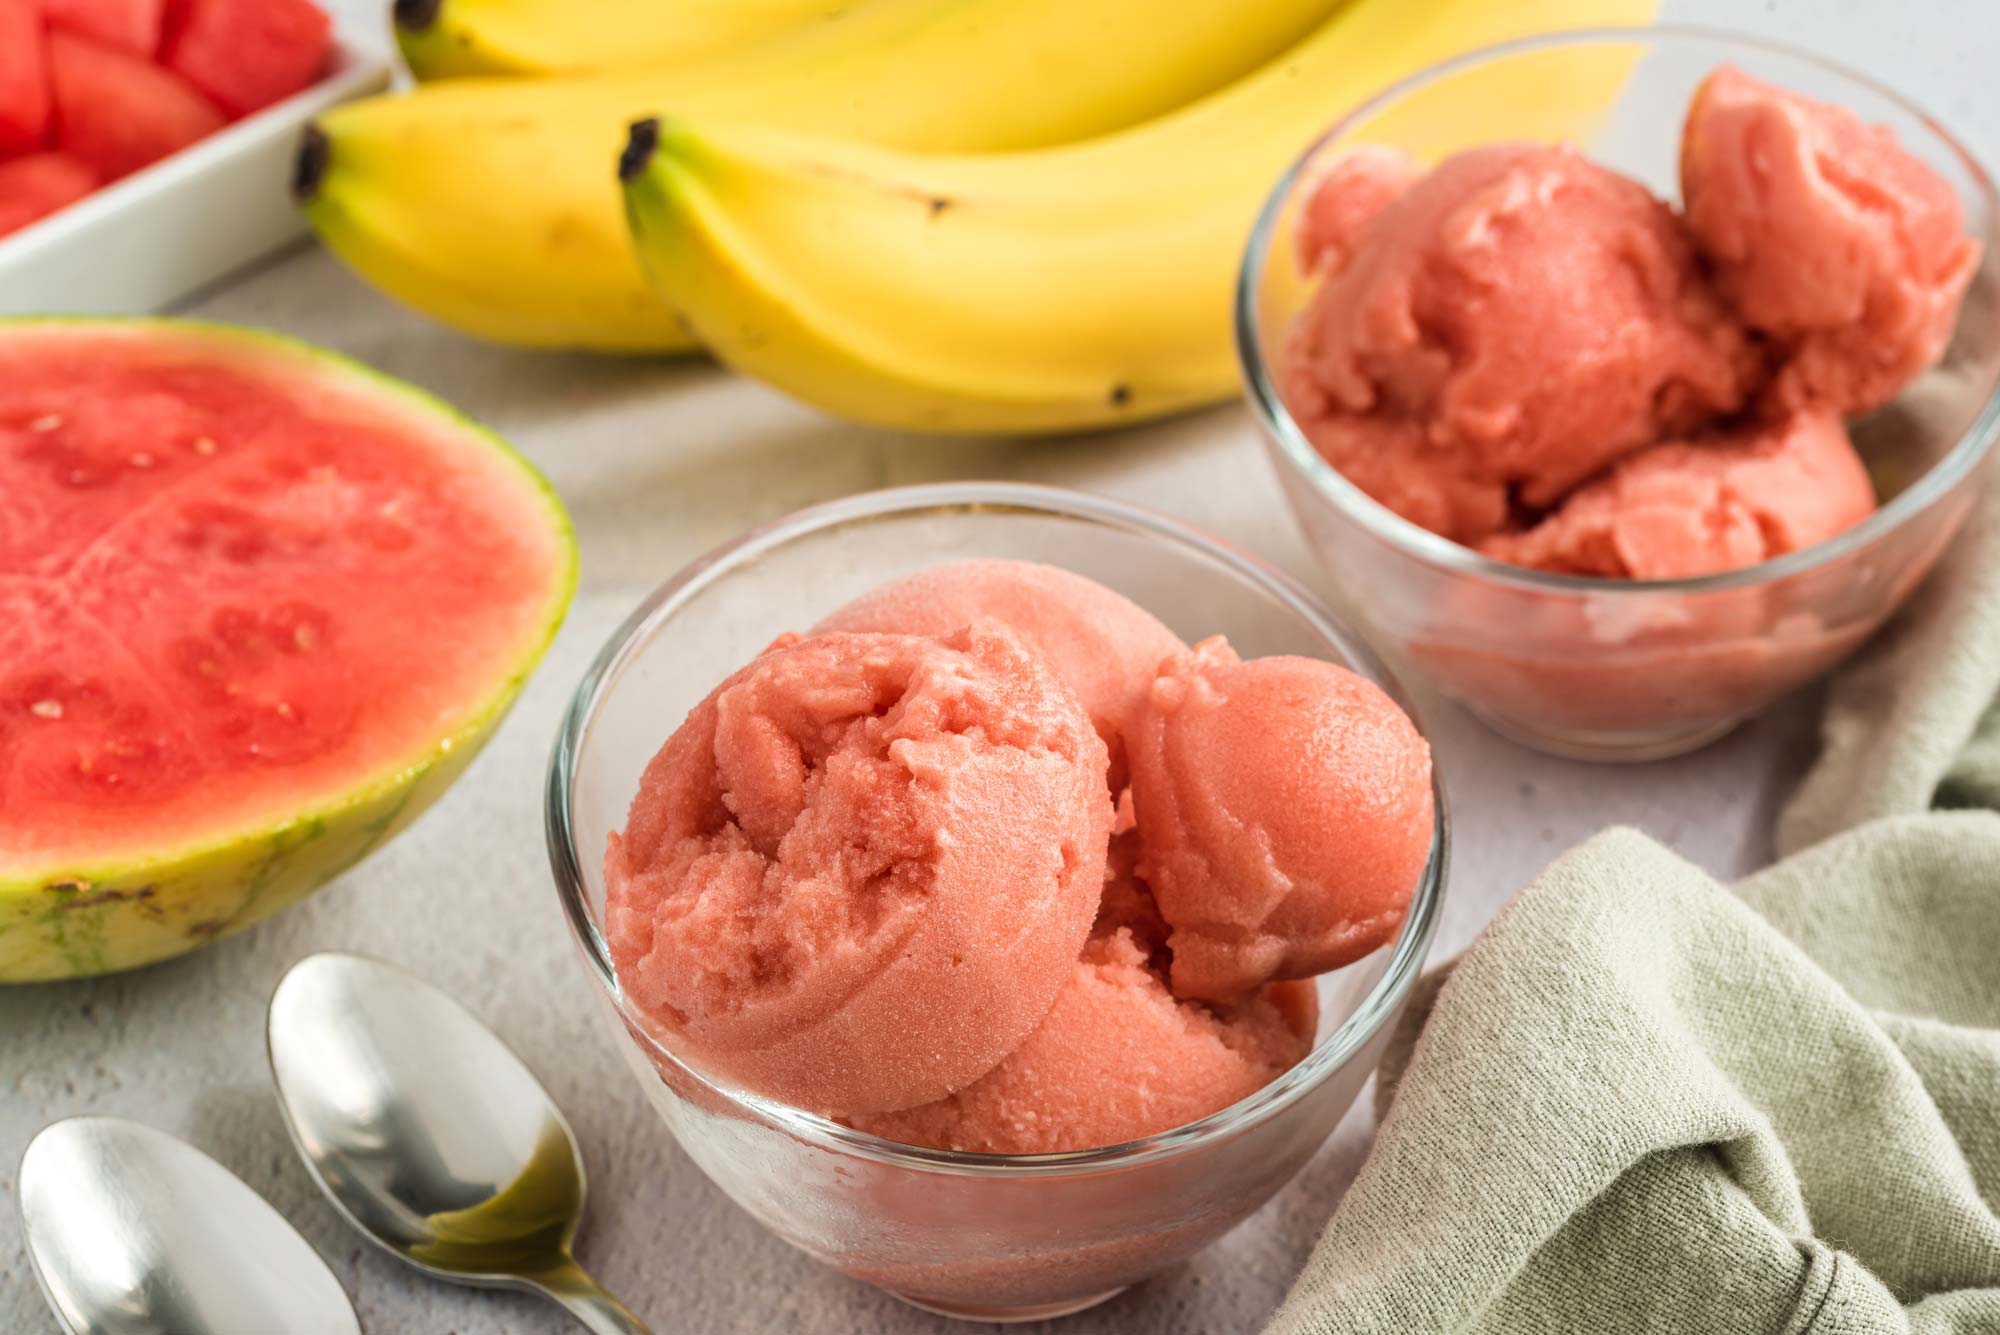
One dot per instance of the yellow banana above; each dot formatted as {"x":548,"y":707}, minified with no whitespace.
{"x":1049,"y":291}
{"x":451,"y":39}
{"x":493,"y":204}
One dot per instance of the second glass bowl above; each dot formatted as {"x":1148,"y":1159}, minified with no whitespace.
{"x":991,"y":1237}
{"x":1615,"y":669}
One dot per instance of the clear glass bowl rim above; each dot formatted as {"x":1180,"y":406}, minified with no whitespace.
{"x":1420,"y":543}
{"x":1384,"y":1000}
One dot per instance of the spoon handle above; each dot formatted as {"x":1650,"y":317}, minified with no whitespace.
{"x":572,"y":1288}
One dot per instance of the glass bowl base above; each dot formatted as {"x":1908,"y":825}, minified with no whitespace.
{"x":1616,"y":748}
{"x":1010,"y":1316}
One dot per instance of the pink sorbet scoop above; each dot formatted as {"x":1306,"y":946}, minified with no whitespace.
{"x":860,"y":872}
{"x":1827,"y":235}
{"x":1344,"y":201}
{"x":1284,"y":813}
{"x":1101,"y":645}
{"x":1510,"y":322}
{"x":1688,"y":508}
{"x":1117,"y":1059}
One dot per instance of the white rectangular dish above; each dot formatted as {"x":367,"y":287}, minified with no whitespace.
{"x":160,"y":234}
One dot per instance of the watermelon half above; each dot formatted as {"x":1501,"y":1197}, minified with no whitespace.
{"x":259,"y":605}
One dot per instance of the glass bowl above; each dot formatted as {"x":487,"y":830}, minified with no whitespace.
{"x":1627,"y":669}
{"x":991,"y":1237}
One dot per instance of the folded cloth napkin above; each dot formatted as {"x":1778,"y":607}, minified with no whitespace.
{"x":1643,"y":1101}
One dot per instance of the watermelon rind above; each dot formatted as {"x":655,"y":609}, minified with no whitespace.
{"x":99,"y":918}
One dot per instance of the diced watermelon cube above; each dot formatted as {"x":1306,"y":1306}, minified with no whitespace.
{"x":117,"y":112}
{"x":129,"y":25}
{"x":246,"y":54}
{"x":24,"y":78}
{"x":37,"y":185}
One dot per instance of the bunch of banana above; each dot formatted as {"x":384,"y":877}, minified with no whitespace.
{"x":1047,"y":291}
{"x":493,"y":205}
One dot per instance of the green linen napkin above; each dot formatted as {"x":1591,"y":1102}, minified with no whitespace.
{"x":1643,"y":1101}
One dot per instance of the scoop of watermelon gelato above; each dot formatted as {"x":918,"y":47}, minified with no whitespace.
{"x":1118,"y":1058}
{"x":1827,"y":235}
{"x":859,"y":873}
{"x":1284,"y":816}
{"x":1100,"y":644}
{"x":1349,"y":194}
{"x":1688,"y":508}
{"x":1504,"y":327}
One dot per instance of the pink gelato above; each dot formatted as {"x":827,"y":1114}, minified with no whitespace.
{"x":1118,"y":1058}
{"x":879,"y":873}
{"x":1512,"y":322}
{"x":1345,"y":201}
{"x":1101,"y":645}
{"x":1827,"y":236}
{"x":1531,"y":355}
{"x":859,"y":873}
{"x":1689,"y":508}
{"x":1284,"y":813}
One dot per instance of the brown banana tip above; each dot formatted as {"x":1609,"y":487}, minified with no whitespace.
{"x":416,"y":15}
{"x":640,"y":142}
{"x":309,"y":167}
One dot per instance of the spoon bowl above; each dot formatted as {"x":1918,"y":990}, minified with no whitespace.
{"x":132,"y":1232}
{"x":429,"y":1134}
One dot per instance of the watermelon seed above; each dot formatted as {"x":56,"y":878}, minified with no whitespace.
{"x":204,"y":445}
{"x":46,"y":709}
{"x":48,"y":422}
{"x":304,"y":636}
{"x":141,"y":459}
{"x":284,"y":710}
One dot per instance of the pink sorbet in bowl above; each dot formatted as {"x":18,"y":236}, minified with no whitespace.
{"x":1617,"y":470}
{"x":860,"y":876}
{"x":873,"y":924}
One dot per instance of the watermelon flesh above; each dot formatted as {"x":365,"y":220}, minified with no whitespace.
{"x":246,"y":54}
{"x":129,"y":25}
{"x":24,"y":79}
{"x":38,"y":184}
{"x":81,"y":77}
{"x":119,"y":113}
{"x":239,"y":582}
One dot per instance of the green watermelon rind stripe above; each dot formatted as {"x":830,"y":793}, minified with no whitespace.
{"x":449,"y":752}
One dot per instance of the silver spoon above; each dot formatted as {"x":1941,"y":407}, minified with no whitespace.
{"x":132,"y":1232}
{"x":430,"y":1135}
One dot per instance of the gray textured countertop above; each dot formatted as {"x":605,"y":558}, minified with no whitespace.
{"x":658,"y":462}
